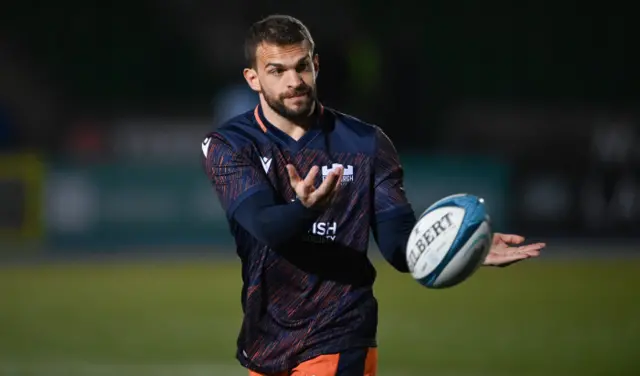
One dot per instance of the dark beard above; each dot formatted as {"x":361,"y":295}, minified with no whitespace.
{"x":278,"y":106}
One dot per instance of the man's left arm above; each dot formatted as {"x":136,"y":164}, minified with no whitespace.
{"x":393,"y":217}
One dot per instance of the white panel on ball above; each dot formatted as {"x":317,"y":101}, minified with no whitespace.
{"x":432,"y":238}
{"x":467,"y":259}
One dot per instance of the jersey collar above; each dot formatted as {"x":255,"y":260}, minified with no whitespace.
{"x":286,"y":140}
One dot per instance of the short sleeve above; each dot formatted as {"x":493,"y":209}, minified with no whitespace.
{"x":231,"y":172}
{"x":390,"y":199}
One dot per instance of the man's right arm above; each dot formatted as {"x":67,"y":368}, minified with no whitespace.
{"x":247,"y":197}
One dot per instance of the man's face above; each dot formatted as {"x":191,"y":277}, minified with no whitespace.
{"x":286,"y":78}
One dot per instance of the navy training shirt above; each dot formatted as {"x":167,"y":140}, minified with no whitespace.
{"x":307,"y":279}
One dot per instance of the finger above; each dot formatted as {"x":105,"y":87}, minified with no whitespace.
{"x":531,"y":252}
{"x":336,"y":187}
{"x":294,"y":178}
{"x":532,"y":247}
{"x":329,"y":183}
{"x":510,"y":238}
{"x":508,"y":260}
{"x":310,"y":179}
{"x":338,"y":183}
{"x":505,"y":260}
{"x":511,"y":262}
{"x":517,"y":256}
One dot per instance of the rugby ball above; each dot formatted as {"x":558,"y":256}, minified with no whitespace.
{"x":449,"y":241}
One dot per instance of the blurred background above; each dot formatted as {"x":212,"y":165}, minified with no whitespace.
{"x":115,"y":258}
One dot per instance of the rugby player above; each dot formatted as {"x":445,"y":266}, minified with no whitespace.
{"x":302,"y":186}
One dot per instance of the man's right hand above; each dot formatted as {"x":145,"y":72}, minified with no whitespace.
{"x":308,"y":194}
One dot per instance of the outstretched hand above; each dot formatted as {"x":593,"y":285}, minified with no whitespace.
{"x":306,"y":191}
{"x":508,"y":249}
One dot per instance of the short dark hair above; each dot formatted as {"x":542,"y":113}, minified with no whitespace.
{"x":276,"y":29}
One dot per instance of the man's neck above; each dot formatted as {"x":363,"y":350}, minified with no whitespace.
{"x":295,"y":129}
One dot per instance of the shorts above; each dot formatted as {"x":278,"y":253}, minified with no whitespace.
{"x":356,"y":362}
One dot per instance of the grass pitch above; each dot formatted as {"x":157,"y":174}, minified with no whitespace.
{"x":538,"y":318}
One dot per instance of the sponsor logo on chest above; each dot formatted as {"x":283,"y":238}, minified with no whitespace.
{"x":347,"y":176}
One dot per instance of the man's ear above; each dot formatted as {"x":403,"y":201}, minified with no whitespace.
{"x":316,"y":64}
{"x":251,"y":76}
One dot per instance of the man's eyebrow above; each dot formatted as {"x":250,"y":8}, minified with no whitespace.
{"x":280,"y":65}
{"x":277,"y":65}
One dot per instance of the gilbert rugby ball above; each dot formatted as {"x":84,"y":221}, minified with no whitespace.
{"x":449,"y":241}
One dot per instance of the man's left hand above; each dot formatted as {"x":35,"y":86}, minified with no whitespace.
{"x":508,"y":249}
